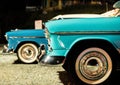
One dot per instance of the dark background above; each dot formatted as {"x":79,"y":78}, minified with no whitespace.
{"x":13,"y":15}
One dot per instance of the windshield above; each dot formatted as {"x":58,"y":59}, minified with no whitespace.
{"x":111,"y":13}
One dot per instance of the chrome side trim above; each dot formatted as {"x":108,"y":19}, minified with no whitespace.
{"x":26,"y":37}
{"x":60,"y":42}
{"x":88,"y":32}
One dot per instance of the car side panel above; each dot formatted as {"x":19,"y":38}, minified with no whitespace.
{"x":61,"y":44}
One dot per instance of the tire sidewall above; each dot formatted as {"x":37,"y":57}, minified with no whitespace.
{"x":108,"y":59}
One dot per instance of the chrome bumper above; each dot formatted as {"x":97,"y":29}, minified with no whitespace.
{"x":6,"y":50}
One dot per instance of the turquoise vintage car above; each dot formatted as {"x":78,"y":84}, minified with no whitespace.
{"x":28,"y":44}
{"x":88,"y":47}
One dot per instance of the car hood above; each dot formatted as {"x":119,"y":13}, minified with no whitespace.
{"x":30,"y":32}
{"x":84,"y":24}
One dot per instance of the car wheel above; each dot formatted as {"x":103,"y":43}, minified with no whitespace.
{"x":93,"y":66}
{"x":28,"y":53}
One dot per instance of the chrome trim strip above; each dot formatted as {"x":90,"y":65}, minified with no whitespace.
{"x":26,"y":37}
{"x":60,"y":42}
{"x":88,"y":32}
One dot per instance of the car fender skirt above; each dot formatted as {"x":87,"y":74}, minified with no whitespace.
{"x":53,"y":60}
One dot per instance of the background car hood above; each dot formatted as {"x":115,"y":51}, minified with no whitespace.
{"x":30,"y":32}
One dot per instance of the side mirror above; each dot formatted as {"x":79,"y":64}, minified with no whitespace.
{"x":116,"y":5}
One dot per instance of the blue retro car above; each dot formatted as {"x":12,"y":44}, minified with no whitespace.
{"x":28,"y":44}
{"x":88,"y":47}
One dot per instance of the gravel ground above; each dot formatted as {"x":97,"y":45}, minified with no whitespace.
{"x":15,"y":73}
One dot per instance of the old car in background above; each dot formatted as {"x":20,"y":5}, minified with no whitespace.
{"x":26,"y":43}
{"x":88,"y":47}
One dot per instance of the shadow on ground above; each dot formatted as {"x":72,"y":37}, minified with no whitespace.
{"x":19,"y":62}
{"x":66,"y":79}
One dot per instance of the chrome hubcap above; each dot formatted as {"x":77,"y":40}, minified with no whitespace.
{"x":93,"y":66}
{"x":28,"y":52}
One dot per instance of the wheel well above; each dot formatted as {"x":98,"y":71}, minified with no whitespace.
{"x":82,"y":45}
{"x":24,"y":43}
